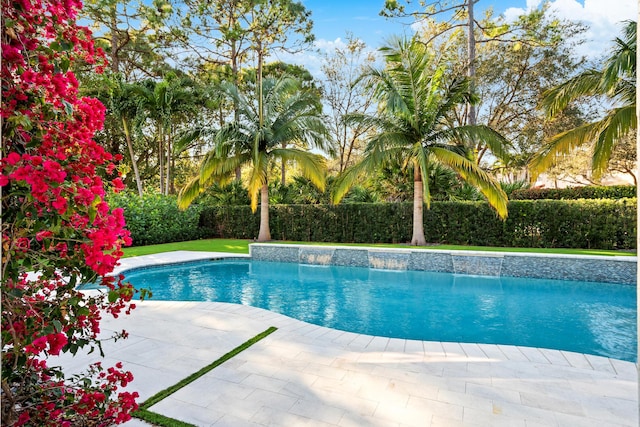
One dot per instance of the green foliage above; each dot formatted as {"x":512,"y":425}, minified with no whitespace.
{"x":232,"y":194}
{"x":616,"y":81}
{"x":155,"y":218}
{"x":588,"y":224}
{"x":572,"y":193}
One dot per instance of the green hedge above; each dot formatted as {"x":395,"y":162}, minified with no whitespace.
{"x":572,"y":193}
{"x":155,"y":218}
{"x":588,"y":224}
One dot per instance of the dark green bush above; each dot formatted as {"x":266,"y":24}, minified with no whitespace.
{"x":572,"y":193}
{"x":155,"y":218}
{"x":601,"y":224}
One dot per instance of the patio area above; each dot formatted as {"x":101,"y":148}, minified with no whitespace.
{"x":307,"y":375}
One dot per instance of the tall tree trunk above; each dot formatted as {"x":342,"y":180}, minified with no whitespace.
{"x":115,"y":62}
{"x":134,"y":163}
{"x":169,"y":161}
{"x":418,"y":238}
{"x":235,"y":71}
{"x":264,"y":235}
{"x":471,"y":68}
{"x":283,"y":172}
{"x":161,"y":155}
{"x":259,"y":81}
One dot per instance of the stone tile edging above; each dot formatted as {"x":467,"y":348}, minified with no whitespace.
{"x":609,"y":269}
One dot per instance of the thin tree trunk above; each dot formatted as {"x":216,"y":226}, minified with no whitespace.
{"x":259,"y":80}
{"x":264,"y":235}
{"x":134,"y":164}
{"x":471,"y":69}
{"x":418,"y":238}
{"x":283,"y":174}
{"x":168,"y":161}
{"x":115,"y":61}
{"x":161,"y":156}
{"x":236,"y":114}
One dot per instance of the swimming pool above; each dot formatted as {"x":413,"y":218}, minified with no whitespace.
{"x":585,"y":317}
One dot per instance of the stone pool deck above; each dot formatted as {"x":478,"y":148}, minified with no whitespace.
{"x":307,"y":375}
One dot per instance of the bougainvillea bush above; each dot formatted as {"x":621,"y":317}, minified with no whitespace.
{"x":57,"y":229}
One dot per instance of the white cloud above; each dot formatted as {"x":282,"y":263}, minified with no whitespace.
{"x":603,"y":18}
{"x":329,"y":45}
{"x":313,"y":59}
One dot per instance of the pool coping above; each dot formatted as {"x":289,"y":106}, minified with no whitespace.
{"x":592,"y":268}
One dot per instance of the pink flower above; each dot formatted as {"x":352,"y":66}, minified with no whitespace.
{"x":56,"y":343}
{"x":12,"y":158}
{"x":37,"y":345}
{"x":44,"y":234}
{"x":60,"y":204}
{"x":11,"y":53}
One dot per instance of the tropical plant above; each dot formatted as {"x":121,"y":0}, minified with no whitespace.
{"x":416,"y":98}
{"x":255,"y":140}
{"x":616,"y":82}
{"x":57,"y":229}
{"x":165,"y":102}
{"x":122,"y":103}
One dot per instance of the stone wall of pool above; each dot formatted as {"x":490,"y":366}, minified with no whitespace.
{"x":607,"y":269}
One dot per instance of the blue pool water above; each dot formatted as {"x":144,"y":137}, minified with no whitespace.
{"x":586,"y":317}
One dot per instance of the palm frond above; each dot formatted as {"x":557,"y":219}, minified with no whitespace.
{"x":350,"y":176}
{"x":587,"y":83}
{"x":618,"y":123}
{"x":622,"y":62}
{"x":313,"y":166}
{"x":498,"y":144}
{"x":471,"y":173}
{"x":189,"y":192}
{"x":561,"y":144}
{"x":186,"y":138}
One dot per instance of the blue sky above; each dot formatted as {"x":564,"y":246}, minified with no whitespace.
{"x":334,"y":18}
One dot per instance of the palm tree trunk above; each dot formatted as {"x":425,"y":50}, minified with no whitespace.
{"x":161,"y":156}
{"x":134,"y":164}
{"x":418,"y":238}
{"x":264,"y":235}
{"x":283,"y":174}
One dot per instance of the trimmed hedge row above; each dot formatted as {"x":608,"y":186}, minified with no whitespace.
{"x":156,"y":218}
{"x":588,"y":224}
{"x":572,"y":193}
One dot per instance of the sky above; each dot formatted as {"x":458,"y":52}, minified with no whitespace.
{"x":333,"y":19}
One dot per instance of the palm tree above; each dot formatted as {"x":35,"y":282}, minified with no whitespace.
{"x":165,"y":102}
{"x":123,"y":104}
{"x":616,"y":81}
{"x":255,"y":140}
{"x":416,"y":100}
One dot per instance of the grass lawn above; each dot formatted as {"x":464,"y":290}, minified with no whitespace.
{"x":242,"y":247}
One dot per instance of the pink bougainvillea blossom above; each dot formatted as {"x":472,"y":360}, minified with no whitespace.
{"x":56,"y":222}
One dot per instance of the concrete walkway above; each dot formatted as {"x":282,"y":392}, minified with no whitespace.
{"x":307,"y":375}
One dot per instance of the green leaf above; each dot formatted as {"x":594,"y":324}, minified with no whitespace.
{"x":93,"y":211}
{"x":68,"y":108}
{"x":113,"y":296}
{"x":64,"y":64}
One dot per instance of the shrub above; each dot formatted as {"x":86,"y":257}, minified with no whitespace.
{"x":572,"y":193}
{"x":602,"y":224}
{"x":155,"y":218}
